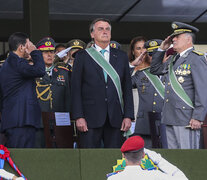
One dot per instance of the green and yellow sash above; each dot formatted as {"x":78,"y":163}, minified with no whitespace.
{"x":108,"y":68}
{"x":156,"y":82}
{"x":177,"y":88}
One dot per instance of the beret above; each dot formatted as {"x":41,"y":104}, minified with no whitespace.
{"x":132,"y":144}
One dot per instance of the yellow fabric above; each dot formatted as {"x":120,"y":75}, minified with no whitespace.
{"x":39,"y":95}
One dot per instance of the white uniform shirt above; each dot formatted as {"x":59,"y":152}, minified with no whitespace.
{"x":137,"y":173}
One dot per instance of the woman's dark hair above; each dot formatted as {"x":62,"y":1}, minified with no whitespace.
{"x":132,"y":44}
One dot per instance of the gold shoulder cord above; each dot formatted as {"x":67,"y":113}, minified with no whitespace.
{"x":48,"y":88}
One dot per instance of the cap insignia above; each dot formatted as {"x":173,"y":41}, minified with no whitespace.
{"x":153,"y":43}
{"x":76,"y":43}
{"x":174,"y":26}
{"x":48,"y":43}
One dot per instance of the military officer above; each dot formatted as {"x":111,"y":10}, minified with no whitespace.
{"x":76,"y":45}
{"x":53,"y":90}
{"x":185,"y":99}
{"x":151,"y":95}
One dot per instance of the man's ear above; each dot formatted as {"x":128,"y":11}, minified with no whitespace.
{"x":20,"y":48}
{"x":92,"y":35}
{"x":123,"y":155}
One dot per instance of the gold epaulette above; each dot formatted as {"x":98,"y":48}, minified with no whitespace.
{"x":198,"y":53}
{"x":62,"y":67}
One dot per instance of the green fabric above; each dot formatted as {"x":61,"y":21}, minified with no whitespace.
{"x":156,"y":82}
{"x":46,"y":164}
{"x":99,"y":59}
{"x":94,"y":164}
{"x":177,"y":88}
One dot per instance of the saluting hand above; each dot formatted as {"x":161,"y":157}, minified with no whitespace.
{"x":30,"y":47}
{"x":139,"y":59}
{"x":81,"y":125}
{"x":166,"y":43}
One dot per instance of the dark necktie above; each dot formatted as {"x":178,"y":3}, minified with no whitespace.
{"x":176,"y":58}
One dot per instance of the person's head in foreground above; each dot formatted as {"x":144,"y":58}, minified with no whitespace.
{"x":133,"y":150}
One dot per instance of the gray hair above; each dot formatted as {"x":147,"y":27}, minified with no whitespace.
{"x":91,"y":28}
{"x":192,"y":36}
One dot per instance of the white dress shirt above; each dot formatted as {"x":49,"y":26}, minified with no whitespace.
{"x":106,"y":54}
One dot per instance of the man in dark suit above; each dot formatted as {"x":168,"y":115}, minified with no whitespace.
{"x":20,"y":109}
{"x":97,"y":106}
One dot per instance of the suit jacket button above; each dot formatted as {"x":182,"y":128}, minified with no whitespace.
{"x":106,"y":99}
{"x":106,"y":87}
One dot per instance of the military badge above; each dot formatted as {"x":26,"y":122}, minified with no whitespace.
{"x":184,"y":72}
{"x":188,"y":71}
{"x":61,"y":78}
{"x":181,"y":79}
{"x":48,"y":43}
{"x":178,"y":70}
{"x":153,"y":43}
{"x":174,"y":26}
{"x":113,"y":45}
{"x":76,"y":43}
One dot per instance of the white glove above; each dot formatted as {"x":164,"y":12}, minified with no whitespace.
{"x":63,"y":53}
{"x":155,"y":157}
{"x":6,"y":175}
{"x":163,"y":164}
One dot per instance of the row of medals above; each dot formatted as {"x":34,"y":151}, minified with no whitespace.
{"x":182,"y":73}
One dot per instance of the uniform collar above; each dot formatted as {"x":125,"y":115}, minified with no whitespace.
{"x":182,"y":53}
{"x":134,"y":167}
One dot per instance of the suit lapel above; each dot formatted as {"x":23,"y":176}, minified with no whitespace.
{"x":113,"y":57}
{"x":112,"y":61}
{"x":98,"y":69}
{"x":181,"y":60}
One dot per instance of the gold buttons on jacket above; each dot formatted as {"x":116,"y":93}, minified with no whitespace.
{"x":155,"y":94}
{"x":154,"y":102}
{"x":167,"y":100}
